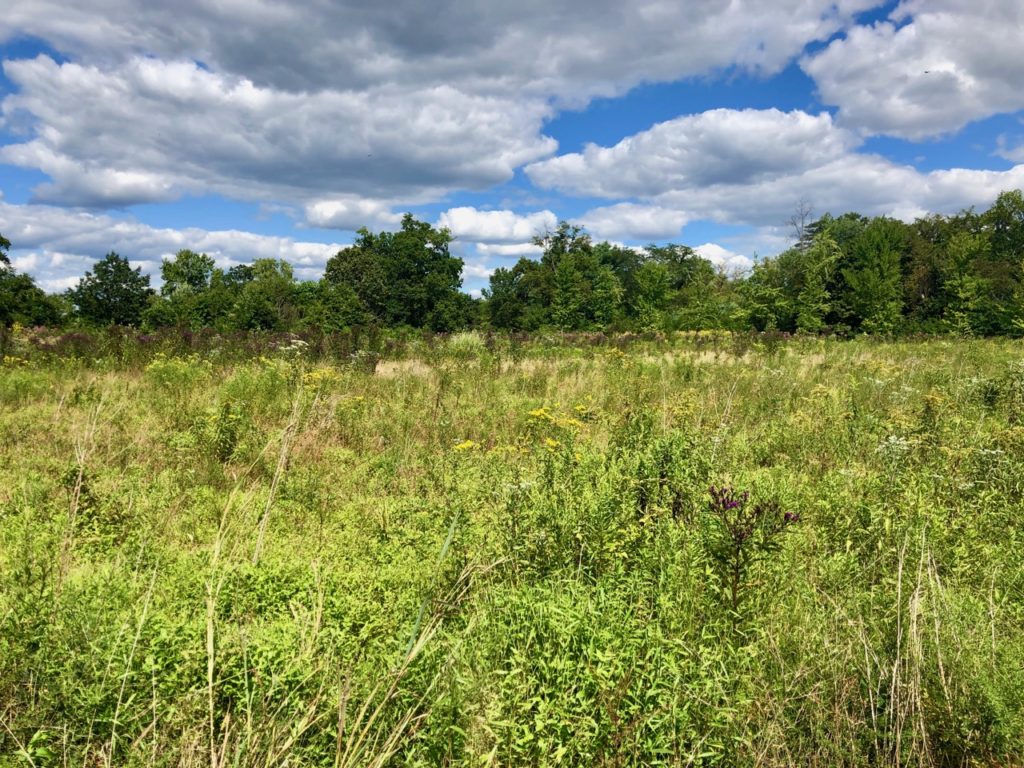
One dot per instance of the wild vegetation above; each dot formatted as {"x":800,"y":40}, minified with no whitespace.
{"x":679,"y":549}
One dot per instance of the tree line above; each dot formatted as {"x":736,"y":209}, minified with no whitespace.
{"x":847,"y":274}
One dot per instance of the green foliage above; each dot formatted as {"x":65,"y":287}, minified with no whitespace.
{"x":221,"y":429}
{"x":186,"y":285}
{"x":331,"y":307}
{"x":112,"y":293}
{"x":496,"y":550}
{"x":814,"y":301}
{"x":514,"y":298}
{"x":846,"y":274}
{"x":739,"y":533}
{"x":873,"y":295}
{"x":23,"y":302}
{"x":189,"y":271}
{"x":402,"y":278}
{"x":267,"y":300}
{"x":175,"y":376}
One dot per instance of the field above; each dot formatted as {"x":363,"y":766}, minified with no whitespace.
{"x":699,"y":550}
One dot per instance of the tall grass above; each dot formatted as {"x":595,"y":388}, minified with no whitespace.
{"x":488,"y":551}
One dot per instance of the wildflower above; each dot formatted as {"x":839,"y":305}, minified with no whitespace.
{"x":551,"y":443}
{"x":568,"y":422}
{"x":322,"y":375}
{"x":351,"y":401}
{"x":466,"y":445}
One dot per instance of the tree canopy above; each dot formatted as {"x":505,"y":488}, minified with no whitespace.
{"x":850,"y":273}
{"x":112,"y":293}
{"x":407,"y":277}
{"x":21,"y":300}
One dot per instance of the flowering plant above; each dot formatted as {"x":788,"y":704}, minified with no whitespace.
{"x":738,"y":534}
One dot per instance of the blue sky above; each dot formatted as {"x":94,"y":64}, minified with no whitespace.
{"x":248,"y":129}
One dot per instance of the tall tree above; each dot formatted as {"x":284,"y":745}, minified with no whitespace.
{"x":407,"y":277}
{"x":1005,"y":222}
{"x":21,"y":300}
{"x":925,"y":269}
{"x":513,"y":298}
{"x":188,"y":270}
{"x":693,"y":298}
{"x":334,"y":307}
{"x":186,"y":280}
{"x":872,"y":294}
{"x":112,"y":293}
{"x":268,"y":300}
{"x":578,"y":290}
{"x":814,"y":302}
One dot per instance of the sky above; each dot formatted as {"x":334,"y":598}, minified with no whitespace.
{"x":251,"y":128}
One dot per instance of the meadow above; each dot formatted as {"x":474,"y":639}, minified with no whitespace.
{"x":699,"y":549}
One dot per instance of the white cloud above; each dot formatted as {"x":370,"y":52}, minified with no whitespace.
{"x":568,"y":49}
{"x":25,"y":263}
{"x":714,"y":147}
{"x":319,"y":101}
{"x":351,"y":214}
{"x":56,"y":245}
{"x":634,"y":222}
{"x":703,"y":177}
{"x":151,"y":130}
{"x":724,"y":258}
{"x":760,"y":242}
{"x":473,"y":225}
{"x":1007,"y":151}
{"x":58,"y":284}
{"x":477,"y":270}
{"x":933,"y":67}
{"x":361,"y":111}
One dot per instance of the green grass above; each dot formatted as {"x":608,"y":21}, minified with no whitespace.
{"x":495,"y":554}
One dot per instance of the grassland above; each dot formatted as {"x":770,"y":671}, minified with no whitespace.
{"x":508,"y":554}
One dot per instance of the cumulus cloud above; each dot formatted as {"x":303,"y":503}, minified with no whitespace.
{"x":632,"y":221}
{"x":724,"y":258}
{"x":933,"y":67}
{"x":719,"y":146}
{"x":398,"y":105}
{"x":476,"y":269}
{"x":57,"y":245}
{"x":679,"y":166}
{"x":567,"y":49}
{"x":473,"y":225}
{"x":351,"y":213}
{"x":868,"y":184}
{"x":149,"y":130}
